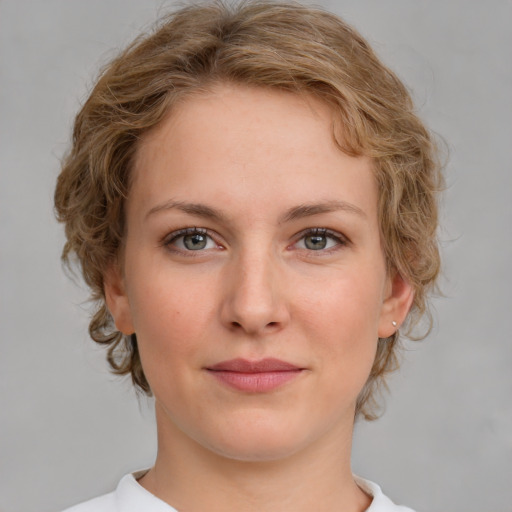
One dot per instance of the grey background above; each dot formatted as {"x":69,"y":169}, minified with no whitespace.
{"x":69,"y":430}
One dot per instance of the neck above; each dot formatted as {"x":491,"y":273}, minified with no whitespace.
{"x":316,"y":478}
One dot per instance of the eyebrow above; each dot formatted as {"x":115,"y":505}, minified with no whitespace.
{"x":197,"y":209}
{"x":308,"y":210}
{"x":297,"y":212}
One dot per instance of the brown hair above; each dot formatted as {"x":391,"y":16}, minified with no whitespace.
{"x":267,"y":44}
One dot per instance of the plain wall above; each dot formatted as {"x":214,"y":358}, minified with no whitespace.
{"x":69,"y":430}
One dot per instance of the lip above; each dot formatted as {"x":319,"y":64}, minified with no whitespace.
{"x":260,"y":376}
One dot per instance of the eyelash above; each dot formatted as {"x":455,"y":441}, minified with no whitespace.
{"x":181,"y":233}
{"x":340,"y":240}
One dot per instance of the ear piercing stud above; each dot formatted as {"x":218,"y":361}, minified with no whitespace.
{"x":394,"y":323}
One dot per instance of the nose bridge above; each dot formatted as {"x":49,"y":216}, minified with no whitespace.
{"x":255,"y":301}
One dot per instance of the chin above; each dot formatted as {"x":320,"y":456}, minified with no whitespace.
{"x":273,"y":450}
{"x":261,"y":442}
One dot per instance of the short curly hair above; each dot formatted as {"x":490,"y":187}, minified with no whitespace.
{"x":286,"y":46}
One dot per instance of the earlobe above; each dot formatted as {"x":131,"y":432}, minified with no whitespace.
{"x":396,"y":305}
{"x":117,"y":299}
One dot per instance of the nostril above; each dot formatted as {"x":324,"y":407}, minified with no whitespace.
{"x":238,"y":325}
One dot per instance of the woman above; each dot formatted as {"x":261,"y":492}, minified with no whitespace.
{"x":252,"y":201}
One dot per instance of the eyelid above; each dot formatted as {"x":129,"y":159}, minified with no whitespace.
{"x":340,"y":238}
{"x":169,"y":238}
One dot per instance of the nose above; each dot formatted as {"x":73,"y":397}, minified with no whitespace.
{"x":254,"y":300}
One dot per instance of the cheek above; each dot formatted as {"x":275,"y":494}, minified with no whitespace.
{"x":342,"y":318}
{"x":349,"y":303}
{"x":169,"y":316}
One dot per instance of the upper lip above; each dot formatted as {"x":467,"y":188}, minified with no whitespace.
{"x":261,"y":366}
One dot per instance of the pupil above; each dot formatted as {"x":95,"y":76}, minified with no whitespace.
{"x":316,"y":242}
{"x":195,"y":242}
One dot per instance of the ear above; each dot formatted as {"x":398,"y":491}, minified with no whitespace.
{"x":397,"y":303}
{"x":117,"y":299}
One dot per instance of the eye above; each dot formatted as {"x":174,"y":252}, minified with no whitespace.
{"x":319,"y":239}
{"x":190,"y":239}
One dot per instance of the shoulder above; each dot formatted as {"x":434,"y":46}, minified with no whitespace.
{"x":129,"y":496}
{"x":104,"y":503}
{"x":380,"y":502}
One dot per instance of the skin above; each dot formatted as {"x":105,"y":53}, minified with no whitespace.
{"x":255,"y":158}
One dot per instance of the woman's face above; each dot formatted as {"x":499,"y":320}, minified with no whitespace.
{"x":253,"y":273}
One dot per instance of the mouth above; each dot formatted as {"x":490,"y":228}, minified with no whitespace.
{"x":260,"y":376}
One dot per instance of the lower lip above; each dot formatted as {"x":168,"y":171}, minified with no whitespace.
{"x":260,"y":382}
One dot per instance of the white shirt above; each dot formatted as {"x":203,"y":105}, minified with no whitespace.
{"x":130,"y":496}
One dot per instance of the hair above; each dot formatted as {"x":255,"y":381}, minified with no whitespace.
{"x":286,"y":46}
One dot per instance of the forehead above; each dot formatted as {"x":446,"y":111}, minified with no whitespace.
{"x":244,"y":142}
{"x":240,"y":114}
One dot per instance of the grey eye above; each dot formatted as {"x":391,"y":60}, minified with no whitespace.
{"x":315,"y":242}
{"x":320,"y":239}
{"x":195,"y":242}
